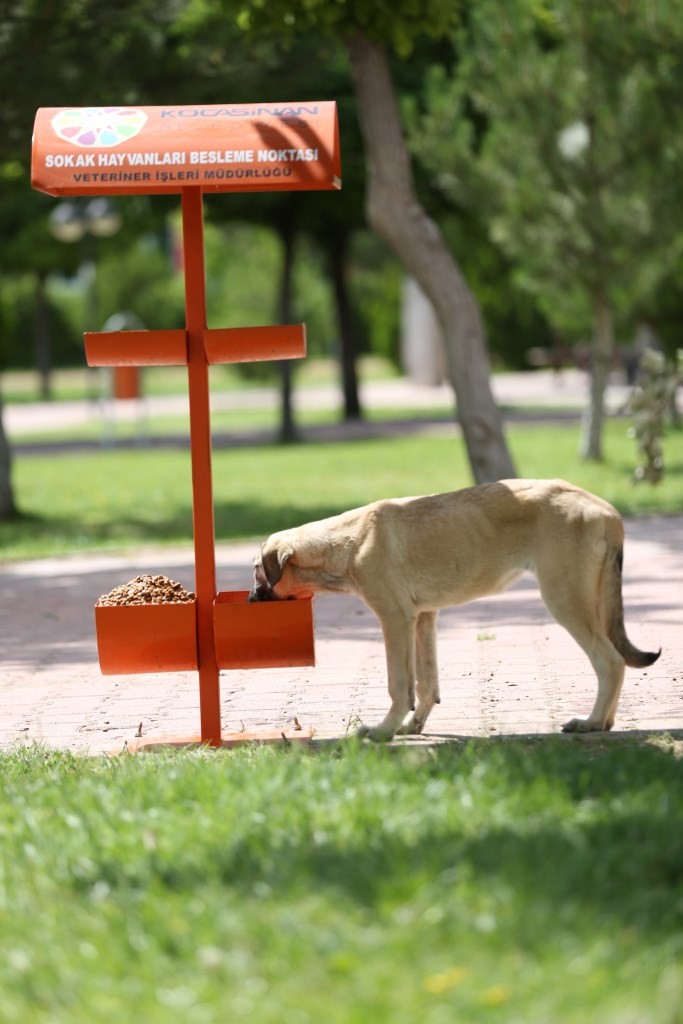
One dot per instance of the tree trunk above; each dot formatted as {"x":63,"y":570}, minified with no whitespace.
{"x":602,"y":351}
{"x":8,"y":509}
{"x":42,"y":343}
{"x":396,"y":214}
{"x":288,"y":432}
{"x":337,"y":245}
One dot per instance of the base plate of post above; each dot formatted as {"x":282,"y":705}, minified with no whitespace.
{"x":229,"y":740}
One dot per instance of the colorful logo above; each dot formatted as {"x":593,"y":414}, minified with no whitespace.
{"x":97,"y":127}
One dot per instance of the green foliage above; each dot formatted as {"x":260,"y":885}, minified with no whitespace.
{"x":313,"y":301}
{"x":651,"y":403}
{"x":59,"y":55}
{"x":558,"y":120}
{"x":513,"y":319}
{"x":377,"y":281}
{"x":537,"y":203}
{"x":488,"y":882}
{"x":144,"y":283}
{"x":394,"y":23}
{"x":243,"y":269}
{"x":18,"y":324}
{"x":665,"y":311}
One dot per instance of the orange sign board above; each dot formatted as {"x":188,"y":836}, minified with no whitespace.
{"x":255,"y":147}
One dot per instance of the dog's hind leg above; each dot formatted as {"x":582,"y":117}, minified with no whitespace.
{"x":565,"y":606}
{"x":427,"y":672}
{"x":609,"y":668}
{"x":399,"y":641}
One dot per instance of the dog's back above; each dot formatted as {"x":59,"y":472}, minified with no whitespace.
{"x":465,"y":544}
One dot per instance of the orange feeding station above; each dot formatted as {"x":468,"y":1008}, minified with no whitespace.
{"x":96,"y":151}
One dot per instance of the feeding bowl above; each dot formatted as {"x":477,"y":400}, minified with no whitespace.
{"x":269,"y":634}
{"x":146,"y":638}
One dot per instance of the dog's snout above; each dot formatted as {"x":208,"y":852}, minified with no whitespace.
{"x":261,"y":592}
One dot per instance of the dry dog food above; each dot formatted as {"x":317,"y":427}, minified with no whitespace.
{"x":148,"y":589}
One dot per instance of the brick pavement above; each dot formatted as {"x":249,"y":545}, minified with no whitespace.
{"x":506,"y":667}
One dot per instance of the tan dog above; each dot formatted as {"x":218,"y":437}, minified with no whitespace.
{"x":408,"y":557}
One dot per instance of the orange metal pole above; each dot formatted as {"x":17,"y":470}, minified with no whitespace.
{"x":200,"y":451}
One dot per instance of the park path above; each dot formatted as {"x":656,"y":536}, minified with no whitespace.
{"x":506,"y":667}
{"x":565,"y":391}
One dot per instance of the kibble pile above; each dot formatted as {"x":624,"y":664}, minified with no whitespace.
{"x":148,"y":589}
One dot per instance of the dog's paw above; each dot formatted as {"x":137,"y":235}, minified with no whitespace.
{"x":412,"y":726}
{"x":585,"y":725}
{"x":376,"y":733}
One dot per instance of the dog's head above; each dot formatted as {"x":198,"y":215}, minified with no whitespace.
{"x":269,"y":567}
{"x":300,"y":562}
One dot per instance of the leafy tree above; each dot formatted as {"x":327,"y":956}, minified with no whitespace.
{"x":50,"y":54}
{"x":369,"y":32}
{"x":243,"y":66}
{"x":563,"y":119}
{"x":139,"y":50}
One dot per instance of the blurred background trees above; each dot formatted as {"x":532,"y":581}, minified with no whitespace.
{"x":545,"y":145}
{"x":561,"y":126}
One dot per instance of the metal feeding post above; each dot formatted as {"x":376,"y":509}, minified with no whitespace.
{"x":191,"y":150}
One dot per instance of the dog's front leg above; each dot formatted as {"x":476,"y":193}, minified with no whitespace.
{"x":427,"y":674}
{"x":399,"y":641}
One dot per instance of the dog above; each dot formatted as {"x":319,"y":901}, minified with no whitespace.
{"x":408,"y":557}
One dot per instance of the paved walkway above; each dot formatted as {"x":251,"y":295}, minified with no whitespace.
{"x":506,"y":667}
{"x":516,"y":393}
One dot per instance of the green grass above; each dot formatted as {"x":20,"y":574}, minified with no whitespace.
{"x":495,"y":882}
{"x":110,"y":498}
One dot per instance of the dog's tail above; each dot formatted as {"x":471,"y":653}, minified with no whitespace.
{"x":616,"y":629}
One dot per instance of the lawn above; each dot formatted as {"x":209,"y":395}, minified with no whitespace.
{"x":495,"y":881}
{"x":116,"y":498}
{"x":504,"y":881}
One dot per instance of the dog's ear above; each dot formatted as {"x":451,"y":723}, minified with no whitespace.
{"x":274,"y":562}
